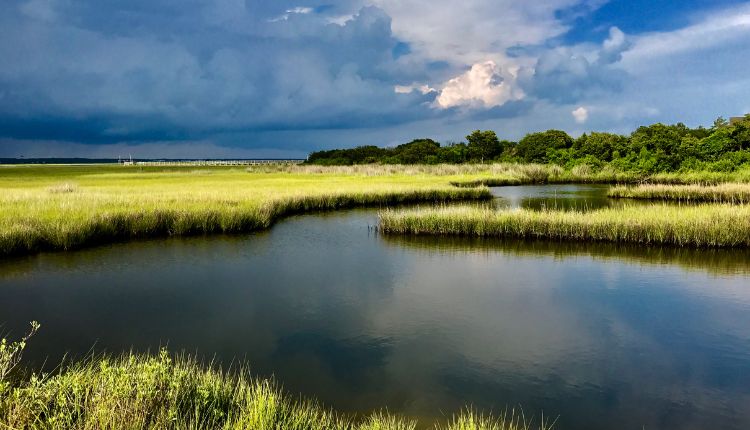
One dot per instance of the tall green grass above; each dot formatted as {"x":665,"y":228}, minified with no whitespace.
{"x":516,"y":173}
{"x":722,"y":193}
{"x":694,"y":226}
{"x":165,"y":392}
{"x":68,"y":207}
{"x":51,"y":208}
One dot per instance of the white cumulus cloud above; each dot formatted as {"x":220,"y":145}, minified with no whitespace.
{"x":581,"y":114}
{"x":484,"y":85}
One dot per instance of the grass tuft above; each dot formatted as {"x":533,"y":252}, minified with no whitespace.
{"x":694,"y":226}
{"x":508,"y":420}
{"x":165,"y":392}
{"x":734,"y":193}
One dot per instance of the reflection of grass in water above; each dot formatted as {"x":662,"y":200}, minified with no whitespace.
{"x":712,"y":260}
{"x":695,"y":226}
{"x":723,"y":193}
{"x":162,"y":392}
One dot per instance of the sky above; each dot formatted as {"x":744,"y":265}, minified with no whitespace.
{"x":279,"y":79}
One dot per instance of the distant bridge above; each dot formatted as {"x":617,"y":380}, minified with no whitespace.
{"x":210,"y":162}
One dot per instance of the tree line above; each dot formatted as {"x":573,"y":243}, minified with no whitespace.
{"x":724,"y":147}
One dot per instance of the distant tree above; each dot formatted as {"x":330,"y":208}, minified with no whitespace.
{"x":741,"y":133}
{"x":483,"y":145}
{"x":720,"y":122}
{"x":655,"y":148}
{"x":453,"y":153}
{"x":600,"y":145}
{"x":717,"y":144}
{"x":700,"y":132}
{"x":662,"y":142}
{"x":534,"y":146}
{"x":509,"y":149}
{"x":358,"y":155}
{"x":417,"y":151}
{"x":365,"y":154}
{"x":330,"y":157}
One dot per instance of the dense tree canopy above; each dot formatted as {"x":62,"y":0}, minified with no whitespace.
{"x":483,"y":145}
{"x":654,"y":148}
{"x":536,"y":147}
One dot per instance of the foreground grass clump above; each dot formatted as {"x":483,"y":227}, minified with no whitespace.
{"x":723,"y":193}
{"x":162,"y":392}
{"x":695,"y":226}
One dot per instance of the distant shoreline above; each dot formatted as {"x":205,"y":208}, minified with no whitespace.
{"x":76,"y":160}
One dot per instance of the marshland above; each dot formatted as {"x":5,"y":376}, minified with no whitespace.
{"x":699,"y":226}
{"x":542,"y":302}
{"x":374,"y":215}
{"x":68,"y":207}
{"x":734,"y":193}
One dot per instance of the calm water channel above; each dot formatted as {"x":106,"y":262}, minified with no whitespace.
{"x":603,"y":336}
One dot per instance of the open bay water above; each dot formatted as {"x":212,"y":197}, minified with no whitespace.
{"x":599,"y":335}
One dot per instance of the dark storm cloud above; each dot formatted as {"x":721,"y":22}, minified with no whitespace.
{"x":102,"y":71}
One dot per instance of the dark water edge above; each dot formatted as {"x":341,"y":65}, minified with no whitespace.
{"x":601,"y":335}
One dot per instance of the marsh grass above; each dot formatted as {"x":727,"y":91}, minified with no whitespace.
{"x":706,"y":225}
{"x":110,"y":204}
{"x":69,"y":207}
{"x":734,"y":193}
{"x":62,"y":188}
{"x":177,"y":392}
{"x":512,"y":419}
{"x":514,"y":173}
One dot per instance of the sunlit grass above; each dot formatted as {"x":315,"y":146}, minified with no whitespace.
{"x":696,"y":226}
{"x":735,"y":193}
{"x":69,"y":207}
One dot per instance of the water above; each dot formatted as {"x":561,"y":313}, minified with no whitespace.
{"x":603,"y":336}
{"x":559,"y":197}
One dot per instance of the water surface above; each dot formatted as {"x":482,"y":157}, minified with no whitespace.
{"x":601,"y":335}
{"x":581,"y":197}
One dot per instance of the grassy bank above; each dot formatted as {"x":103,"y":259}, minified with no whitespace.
{"x":695,"y":226}
{"x":733,"y":193}
{"x":498,"y":174}
{"x":67,"y":207}
{"x":164,"y":392}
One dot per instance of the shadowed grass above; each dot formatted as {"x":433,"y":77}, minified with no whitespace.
{"x":694,"y":226}
{"x":733,"y":193}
